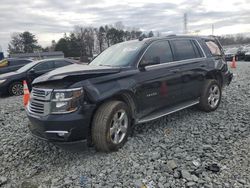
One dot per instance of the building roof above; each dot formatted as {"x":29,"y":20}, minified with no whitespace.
{"x":23,"y":55}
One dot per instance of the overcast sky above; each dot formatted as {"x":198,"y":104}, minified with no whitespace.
{"x":49,"y":19}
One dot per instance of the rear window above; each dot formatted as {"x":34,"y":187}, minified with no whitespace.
{"x":185,"y":49}
{"x":61,"y":63}
{"x":44,"y":66}
{"x":214,"y":48}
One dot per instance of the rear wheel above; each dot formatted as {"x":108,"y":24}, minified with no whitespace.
{"x":111,"y":126}
{"x":210,"y":96}
{"x":16,"y":89}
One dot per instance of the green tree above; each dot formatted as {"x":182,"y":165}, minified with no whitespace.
{"x":62,"y":45}
{"x":29,"y":42}
{"x":101,"y":38}
{"x":15,"y":45}
{"x":25,"y":42}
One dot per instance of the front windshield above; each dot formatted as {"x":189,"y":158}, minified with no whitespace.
{"x":119,"y":55}
{"x":26,"y":67}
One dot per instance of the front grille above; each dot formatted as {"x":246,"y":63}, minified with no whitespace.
{"x":40,"y":101}
{"x":38,"y":93}
{"x":36,"y":107}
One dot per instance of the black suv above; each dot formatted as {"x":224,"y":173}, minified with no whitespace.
{"x":129,"y":83}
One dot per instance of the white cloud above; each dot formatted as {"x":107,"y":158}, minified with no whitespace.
{"x":49,"y":19}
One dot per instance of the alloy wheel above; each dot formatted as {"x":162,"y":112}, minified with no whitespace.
{"x":17,"y":89}
{"x":214,"y":96}
{"x":119,"y":126}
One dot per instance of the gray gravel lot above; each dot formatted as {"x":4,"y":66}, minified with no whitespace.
{"x":173,"y":151}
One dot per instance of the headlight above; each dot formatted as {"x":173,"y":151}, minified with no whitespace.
{"x":2,"y":81}
{"x":66,"y":101}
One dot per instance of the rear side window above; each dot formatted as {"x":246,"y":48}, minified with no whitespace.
{"x":61,"y":63}
{"x":45,"y":66}
{"x":158,"y":52}
{"x":18,"y":62}
{"x":185,"y":49}
{"x":14,"y":62}
{"x":214,"y":48}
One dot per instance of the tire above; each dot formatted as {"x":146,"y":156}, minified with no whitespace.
{"x":16,"y":89}
{"x":109,"y":130}
{"x":210,"y":96}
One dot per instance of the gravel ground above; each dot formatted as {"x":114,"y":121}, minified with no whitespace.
{"x":174,"y":151}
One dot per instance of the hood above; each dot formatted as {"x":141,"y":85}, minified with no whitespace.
{"x":7,"y":75}
{"x":75,"y":70}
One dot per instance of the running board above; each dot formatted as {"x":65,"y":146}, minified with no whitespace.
{"x":166,"y":111}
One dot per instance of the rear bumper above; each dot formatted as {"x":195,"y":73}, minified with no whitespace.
{"x":60,"y":128}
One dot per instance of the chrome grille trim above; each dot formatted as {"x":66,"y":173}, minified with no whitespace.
{"x":39,"y":103}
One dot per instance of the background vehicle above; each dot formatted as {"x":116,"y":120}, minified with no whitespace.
{"x":3,"y":63}
{"x":247,"y":54}
{"x":129,"y":83}
{"x":13,"y":64}
{"x":11,"y":83}
{"x":230,"y":53}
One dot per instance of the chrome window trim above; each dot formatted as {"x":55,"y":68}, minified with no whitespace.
{"x":58,"y":132}
{"x":171,"y":62}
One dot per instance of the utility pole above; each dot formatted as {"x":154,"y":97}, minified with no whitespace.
{"x":212,"y":29}
{"x":185,"y":23}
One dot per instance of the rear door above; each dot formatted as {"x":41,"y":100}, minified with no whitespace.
{"x":189,"y":55}
{"x":159,"y":82}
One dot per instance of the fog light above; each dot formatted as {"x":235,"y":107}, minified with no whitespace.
{"x":61,"y":134}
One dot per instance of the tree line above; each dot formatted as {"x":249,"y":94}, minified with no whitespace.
{"x":83,"y":42}
{"x":234,"y":39}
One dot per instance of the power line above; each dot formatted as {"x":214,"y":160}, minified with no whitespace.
{"x":185,"y":23}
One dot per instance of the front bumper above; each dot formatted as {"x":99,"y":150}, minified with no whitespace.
{"x":227,"y":78}
{"x":61,"y":128}
{"x":4,"y":89}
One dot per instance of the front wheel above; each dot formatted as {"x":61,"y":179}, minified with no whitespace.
{"x":210,"y":96}
{"x":16,"y":88}
{"x":111,"y":126}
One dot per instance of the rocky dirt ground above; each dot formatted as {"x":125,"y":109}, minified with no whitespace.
{"x":174,"y":151}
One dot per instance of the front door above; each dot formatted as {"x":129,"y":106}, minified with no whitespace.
{"x":159,"y":79}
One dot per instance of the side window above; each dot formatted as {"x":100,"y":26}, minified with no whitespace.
{"x":213,"y":47}
{"x":61,"y":63}
{"x":22,"y":62}
{"x":197,"y":49}
{"x":13,"y":62}
{"x":158,"y":52}
{"x":184,"y":49}
{"x":44,"y":66}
